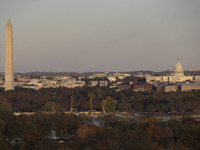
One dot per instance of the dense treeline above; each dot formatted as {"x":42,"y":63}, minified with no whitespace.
{"x":61,"y":131}
{"x":28,"y":100}
{"x":55,"y":130}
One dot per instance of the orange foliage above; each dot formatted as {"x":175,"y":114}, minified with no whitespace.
{"x":85,"y":130}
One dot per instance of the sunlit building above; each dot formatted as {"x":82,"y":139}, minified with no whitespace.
{"x":111,"y":76}
{"x":178,"y":76}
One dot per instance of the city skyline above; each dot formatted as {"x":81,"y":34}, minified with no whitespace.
{"x":101,"y":36}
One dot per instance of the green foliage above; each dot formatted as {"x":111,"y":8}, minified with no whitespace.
{"x":26,"y":123}
{"x":2,"y":125}
{"x":52,"y":107}
{"x":175,"y":126}
{"x":63,"y":124}
{"x":16,"y":127}
{"x":161,"y":108}
{"x":32,"y":132}
{"x":77,"y":132}
{"x":127,"y":100}
{"x":32,"y":139}
{"x":43,"y":123}
{"x":3,"y":144}
{"x":109,"y":105}
{"x":130,"y":79}
{"x":5,"y":109}
{"x":12,"y":130}
{"x":150,"y":108}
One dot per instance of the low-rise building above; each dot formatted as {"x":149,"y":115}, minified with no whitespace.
{"x":31,"y":86}
{"x":62,"y":78}
{"x":72,"y":83}
{"x":98,"y":83}
{"x":111,"y":76}
{"x":93,"y":83}
{"x":2,"y":83}
{"x":124,"y":86}
{"x":142,"y":87}
{"x":190,"y":86}
{"x":103,"y":83}
{"x":170,"y":88}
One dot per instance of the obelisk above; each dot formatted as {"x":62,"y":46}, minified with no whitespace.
{"x":9,"y":75}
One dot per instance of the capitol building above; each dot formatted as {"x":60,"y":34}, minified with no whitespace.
{"x":177,"y":76}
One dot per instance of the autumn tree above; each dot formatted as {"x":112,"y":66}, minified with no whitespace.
{"x":32,"y":139}
{"x":63,"y":124}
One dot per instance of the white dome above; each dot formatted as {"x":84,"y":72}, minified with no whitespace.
{"x":178,"y":69}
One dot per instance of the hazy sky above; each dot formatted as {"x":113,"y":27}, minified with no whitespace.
{"x":101,"y":35}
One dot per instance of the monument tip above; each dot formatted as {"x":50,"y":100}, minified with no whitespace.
{"x":9,"y":22}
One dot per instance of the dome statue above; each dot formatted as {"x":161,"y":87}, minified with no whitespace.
{"x":178,"y":69}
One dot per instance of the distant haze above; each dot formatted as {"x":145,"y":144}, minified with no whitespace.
{"x":101,"y":35}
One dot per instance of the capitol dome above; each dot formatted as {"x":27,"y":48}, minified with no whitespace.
{"x":178,"y":69}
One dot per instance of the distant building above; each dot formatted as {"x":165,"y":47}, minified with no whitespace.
{"x":62,"y":78}
{"x":170,"y":88}
{"x":124,"y":86}
{"x":93,"y":83}
{"x":157,"y":87}
{"x":72,"y":83}
{"x":2,"y":83}
{"x":194,"y":69}
{"x":103,"y":83}
{"x":111,"y":76}
{"x":178,"y":76}
{"x":31,"y":86}
{"x":51,"y":83}
{"x":190,"y":86}
{"x":98,"y":83}
{"x":142,"y":87}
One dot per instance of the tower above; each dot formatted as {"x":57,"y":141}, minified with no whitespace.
{"x":9,"y":75}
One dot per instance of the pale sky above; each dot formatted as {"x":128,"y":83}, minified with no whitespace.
{"x":101,"y":35}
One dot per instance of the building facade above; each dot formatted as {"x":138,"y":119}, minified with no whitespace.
{"x":178,"y":76}
{"x":98,"y":83}
{"x":142,"y":87}
{"x":190,"y":86}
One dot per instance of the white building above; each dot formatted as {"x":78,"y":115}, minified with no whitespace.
{"x":72,"y":83}
{"x":169,"y":88}
{"x":178,"y":76}
{"x":111,"y":76}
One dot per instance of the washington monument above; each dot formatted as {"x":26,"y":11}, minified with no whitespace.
{"x":9,"y":75}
